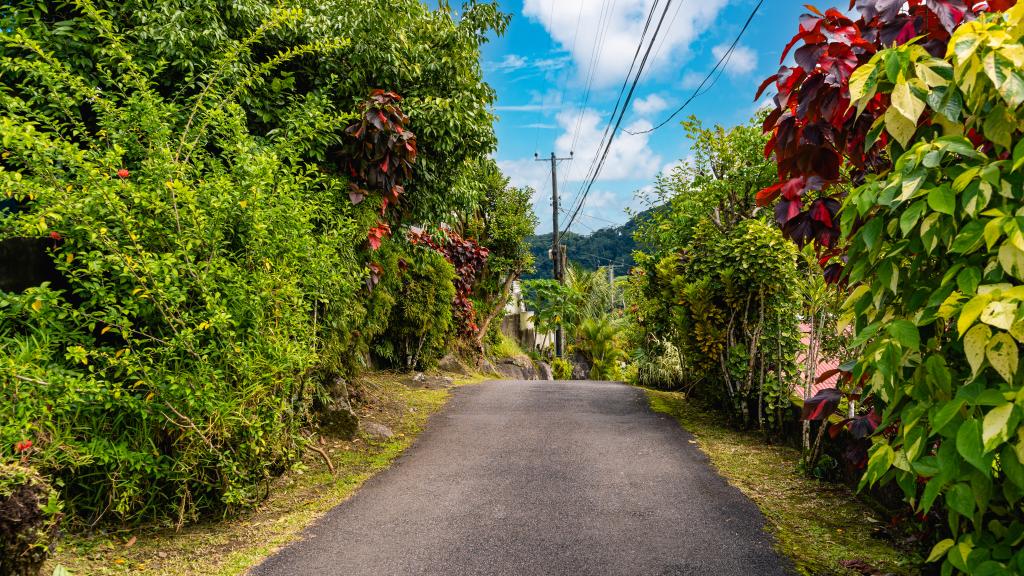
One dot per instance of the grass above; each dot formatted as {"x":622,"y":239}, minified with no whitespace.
{"x":505,"y":348}
{"x":817,"y":524}
{"x":309,"y":490}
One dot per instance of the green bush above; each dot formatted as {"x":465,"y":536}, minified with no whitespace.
{"x":936,"y":258}
{"x":416,"y":290}
{"x":598,"y":340}
{"x":561,"y":369}
{"x":183,"y":162}
{"x":505,"y":347}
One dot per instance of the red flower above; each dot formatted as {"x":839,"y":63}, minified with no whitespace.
{"x":123,"y":173}
{"x":22,"y":446}
{"x":55,"y":235}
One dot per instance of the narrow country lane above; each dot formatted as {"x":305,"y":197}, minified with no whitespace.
{"x":530,"y":478}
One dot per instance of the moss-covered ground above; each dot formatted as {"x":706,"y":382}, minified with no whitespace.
{"x":825,"y":528}
{"x":233,"y":545}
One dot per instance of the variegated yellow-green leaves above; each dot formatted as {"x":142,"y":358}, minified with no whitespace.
{"x":937,"y":248}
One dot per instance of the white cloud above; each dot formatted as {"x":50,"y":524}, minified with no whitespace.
{"x":630,"y":157}
{"x":550,"y":100}
{"x":650,"y":105}
{"x":510,"y":63}
{"x":577,"y":25}
{"x":742,"y":61}
{"x":692,"y":79}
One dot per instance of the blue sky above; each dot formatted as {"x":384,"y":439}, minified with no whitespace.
{"x":540,"y":69}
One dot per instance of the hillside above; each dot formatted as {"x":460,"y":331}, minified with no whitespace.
{"x":612,"y":245}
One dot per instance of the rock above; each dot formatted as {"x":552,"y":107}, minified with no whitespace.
{"x":522,"y":368}
{"x":376,"y":431}
{"x":545,"y":371}
{"x":432,"y":382}
{"x":452,"y":363}
{"x":487,"y":367}
{"x":28,"y":530}
{"x":337,"y":418}
{"x":580,"y":366}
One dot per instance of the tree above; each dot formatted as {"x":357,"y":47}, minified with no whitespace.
{"x":503,"y":221}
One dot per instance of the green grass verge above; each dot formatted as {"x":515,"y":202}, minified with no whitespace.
{"x":817,"y":524}
{"x":232,"y":546}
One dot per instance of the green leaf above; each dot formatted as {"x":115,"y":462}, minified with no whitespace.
{"x":910,"y":216}
{"x":968,"y":279}
{"x":939,"y":550}
{"x":996,"y":428}
{"x":960,"y":498}
{"x":909,"y":105}
{"x":970,"y":238}
{"x":872,"y":232}
{"x":882,"y":457}
{"x":1018,"y":155}
{"x":994,"y":231}
{"x":970,"y":446}
{"x":898,"y":126}
{"x":998,"y":127}
{"x":946,"y":413}
{"x":1011,"y":259}
{"x":999,"y":314}
{"x":1012,"y":466}
{"x":942,"y":199}
{"x":971,"y":311}
{"x":946,"y":101}
{"x":906,"y":333}
{"x":961,"y":182}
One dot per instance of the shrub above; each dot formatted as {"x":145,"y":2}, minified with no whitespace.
{"x":505,"y":347}
{"x":414,"y":318}
{"x":561,"y":369}
{"x":204,"y":268}
{"x":598,"y":340}
{"x":29,"y":518}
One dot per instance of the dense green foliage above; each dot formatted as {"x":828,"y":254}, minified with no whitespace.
{"x":412,"y":306}
{"x":188,"y":163}
{"x":937,"y":266}
{"x":502,"y":224}
{"x":608,"y":246}
{"x":718,"y":286}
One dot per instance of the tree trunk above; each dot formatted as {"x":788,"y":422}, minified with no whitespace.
{"x":498,"y":306}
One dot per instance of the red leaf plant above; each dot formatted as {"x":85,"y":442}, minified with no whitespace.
{"x":468,"y":257}
{"x":379,"y":150}
{"x":816,"y":138}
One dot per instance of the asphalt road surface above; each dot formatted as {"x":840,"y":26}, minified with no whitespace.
{"x":524,"y":478}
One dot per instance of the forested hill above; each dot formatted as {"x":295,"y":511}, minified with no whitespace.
{"x":613,"y":245}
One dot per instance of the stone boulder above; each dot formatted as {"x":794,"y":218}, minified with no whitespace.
{"x":337,"y":417}
{"x":375,"y":430}
{"x":432,"y":382}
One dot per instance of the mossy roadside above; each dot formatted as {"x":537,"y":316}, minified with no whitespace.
{"x":299,"y":497}
{"x":818,"y":525}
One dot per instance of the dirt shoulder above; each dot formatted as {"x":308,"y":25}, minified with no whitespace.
{"x":825,"y":528}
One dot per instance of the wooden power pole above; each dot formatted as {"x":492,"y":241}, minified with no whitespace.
{"x":557,"y":251}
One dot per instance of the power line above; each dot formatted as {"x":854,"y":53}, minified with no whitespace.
{"x":622,"y":113}
{"x":622,"y":89}
{"x":725,"y":58}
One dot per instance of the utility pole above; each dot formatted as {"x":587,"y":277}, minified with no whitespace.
{"x":611,"y":283}
{"x":556,"y":245}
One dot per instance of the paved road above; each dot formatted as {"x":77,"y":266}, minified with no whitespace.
{"x":545,"y":478}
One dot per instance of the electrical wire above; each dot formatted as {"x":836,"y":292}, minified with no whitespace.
{"x":720,"y":64}
{"x":622,"y":113}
